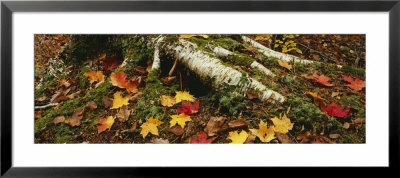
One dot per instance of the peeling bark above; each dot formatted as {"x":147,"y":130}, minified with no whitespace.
{"x":222,"y":52}
{"x":210,"y":68}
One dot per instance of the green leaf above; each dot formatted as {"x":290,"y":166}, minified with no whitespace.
{"x":299,"y":51}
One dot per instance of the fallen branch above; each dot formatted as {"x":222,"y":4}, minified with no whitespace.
{"x":212,"y":69}
{"x":46,"y":106}
{"x":221,"y":52}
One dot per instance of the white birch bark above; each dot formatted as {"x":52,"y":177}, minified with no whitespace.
{"x":222,"y":52}
{"x":212,"y":68}
{"x":156,"y":56}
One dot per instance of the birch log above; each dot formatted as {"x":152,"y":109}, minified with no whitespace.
{"x":208,"y":67}
{"x":222,"y":52}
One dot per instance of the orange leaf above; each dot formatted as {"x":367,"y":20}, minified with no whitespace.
{"x":94,"y":76}
{"x":321,"y":79}
{"x":111,"y":63}
{"x":118,"y":80}
{"x":356,"y":84}
{"x":105,"y":123}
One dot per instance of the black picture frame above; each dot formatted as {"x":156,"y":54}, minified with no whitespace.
{"x":8,"y":7}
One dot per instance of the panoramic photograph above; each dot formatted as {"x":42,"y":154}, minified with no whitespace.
{"x":200,"y":88}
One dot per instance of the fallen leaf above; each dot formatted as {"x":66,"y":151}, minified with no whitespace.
{"x":118,"y":80}
{"x":160,"y":141}
{"x":183,"y":95}
{"x":282,"y":125}
{"x":359,"y":120}
{"x":180,"y":119}
{"x":42,"y":98}
{"x":150,"y":126}
{"x":119,"y":101}
{"x":132,"y":85}
{"x":111,"y":63}
{"x":335,"y":94}
{"x":251,"y":95}
{"x":91,"y":105}
{"x":188,"y":108}
{"x":177,"y":130}
{"x":136,"y":96}
{"x":76,"y":118}
{"x":334,"y":136}
{"x":107,"y":102}
{"x":58,"y":120}
{"x":74,"y":95}
{"x":237,"y":138}
{"x":317,"y":141}
{"x":123,"y":114}
{"x":356,"y":84}
{"x":105,"y":124}
{"x":346,"y":125}
{"x":285,"y":64}
{"x":201,"y":138}
{"x":214,"y":125}
{"x":237,"y":123}
{"x":334,"y":110}
{"x":305,"y":137}
{"x":264,"y":133}
{"x":317,"y":99}
{"x":283,"y":138}
{"x":250,"y":138}
{"x":190,"y":36}
{"x":38,"y":114}
{"x":321,"y":79}
{"x":167,"y":101}
{"x":94,"y":76}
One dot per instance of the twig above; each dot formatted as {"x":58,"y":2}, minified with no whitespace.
{"x":173,"y":68}
{"x":318,"y":53}
{"x":46,"y":106}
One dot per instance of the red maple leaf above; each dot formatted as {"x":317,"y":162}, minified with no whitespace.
{"x":334,"y":110}
{"x":111,"y":63}
{"x":202,"y":138}
{"x":322,"y":79}
{"x":356,"y":84}
{"x":188,"y":108}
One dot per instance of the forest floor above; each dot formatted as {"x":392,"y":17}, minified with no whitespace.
{"x":87,"y":94}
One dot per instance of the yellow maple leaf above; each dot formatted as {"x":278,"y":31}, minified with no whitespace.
{"x":264,"y":133}
{"x":94,"y":76}
{"x":317,"y":99}
{"x":190,"y":36}
{"x":238,"y":138}
{"x":119,"y":101}
{"x":183,"y":95}
{"x":150,"y":126}
{"x":168,"y":101}
{"x":179,"y":119}
{"x":285,"y":64}
{"x":105,"y":123}
{"x":282,"y":125}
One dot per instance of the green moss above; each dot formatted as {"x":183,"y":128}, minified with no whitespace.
{"x":200,"y":42}
{"x":351,"y":138}
{"x":300,"y":67}
{"x":241,"y":59}
{"x":305,"y":113}
{"x":349,"y":70}
{"x":229,"y":44}
{"x":97,"y":94}
{"x":63,"y":139}
{"x":324,"y":68}
{"x":39,"y":92}
{"x":232,"y":102}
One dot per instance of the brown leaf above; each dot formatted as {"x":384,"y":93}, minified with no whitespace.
{"x":74,"y":95}
{"x":251,"y":95}
{"x":177,"y":130}
{"x":250,"y":139}
{"x":149,"y":65}
{"x":316,"y":141}
{"x":76,"y":118}
{"x":237,"y":123}
{"x":136,"y":96}
{"x":91,"y":105}
{"x":359,"y":121}
{"x":160,"y":141}
{"x":38,"y":114}
{"x":134,"y":125}
{"x":107,"y":102}
{"x":214,"y":125}
{"x":42,"y":98}
{"x":334,"y":136}
{"x":58,"y":119}
{"x":346,"y":125}
{"x":283,"y":138}
{"x":326,"y":139}
{"x":123,"y":114}
{"x":305,"y":137}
